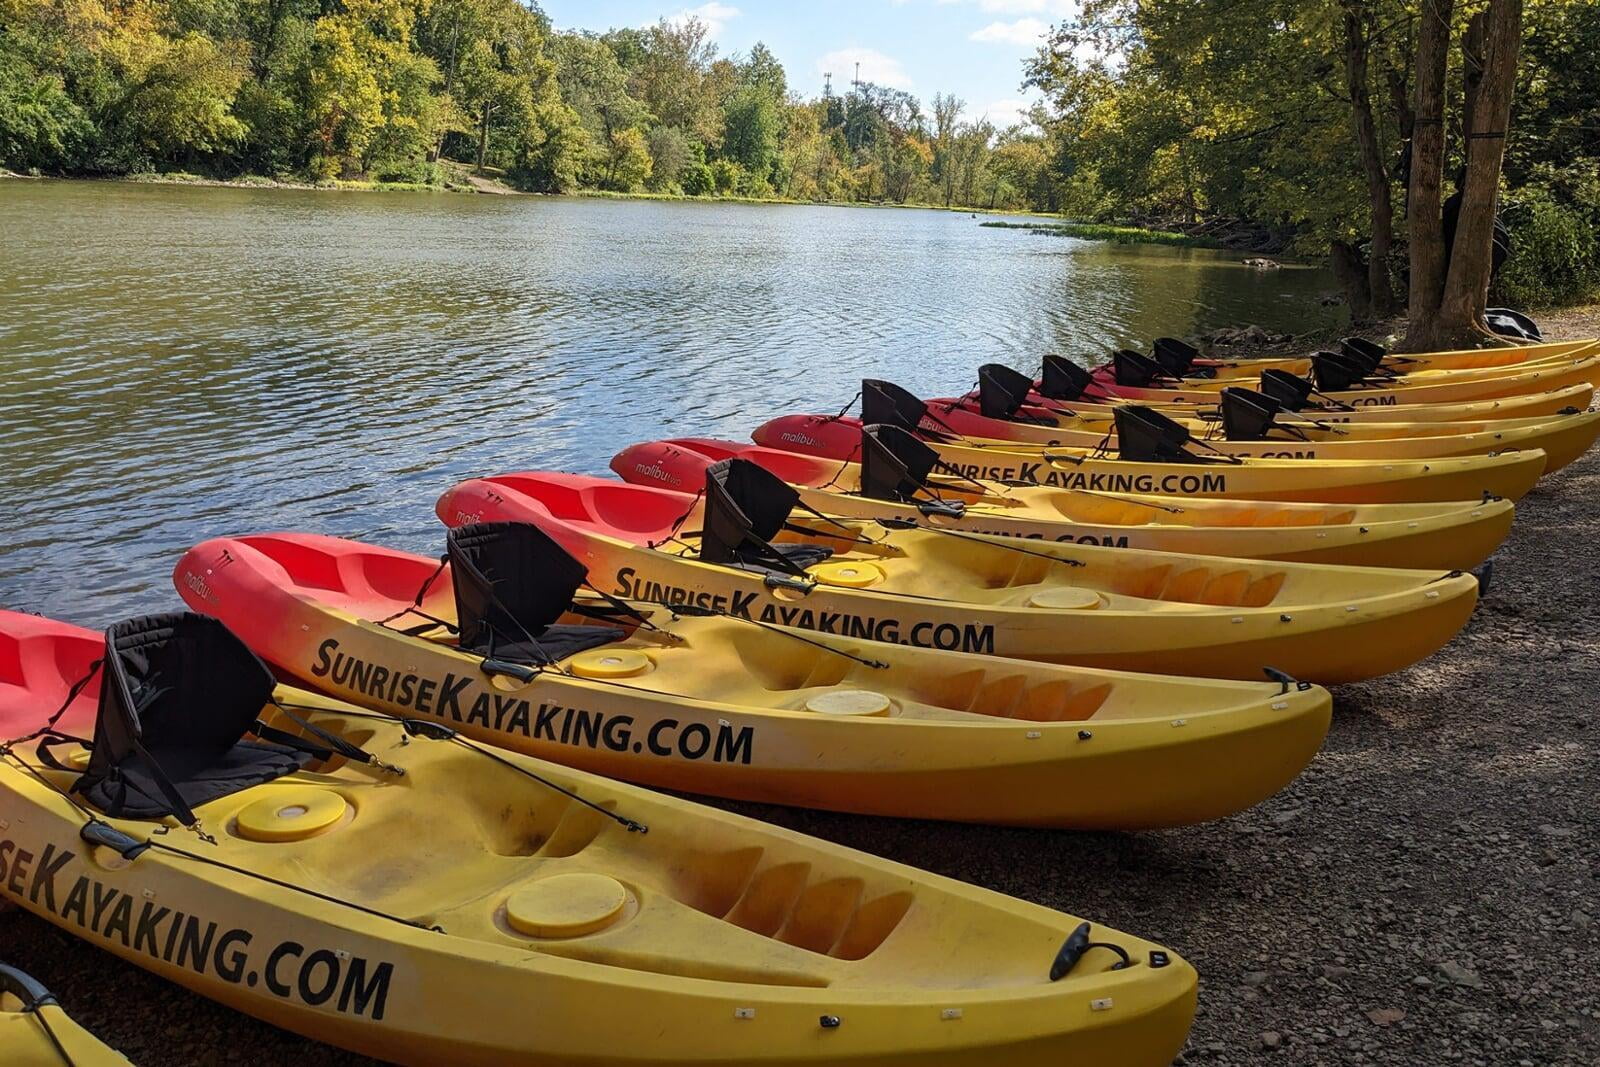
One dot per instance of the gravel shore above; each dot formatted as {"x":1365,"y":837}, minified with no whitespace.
{"x":1424,"y":893}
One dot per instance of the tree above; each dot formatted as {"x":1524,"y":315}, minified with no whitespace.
{"x":1446,"y":307}
{"x":595,"y":87}
{"x":750,"y":131}
{"x":946,"y":112}
{"x":1466,"y":287}
{"x":1359,"y":22}
{"x":628,"y":161}
{"x":669,"y":155}
{"x":671,"y":78}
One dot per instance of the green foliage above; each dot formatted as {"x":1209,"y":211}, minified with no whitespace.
{"x":1555,"y":257}
{"x":628,"y":161}
{"x":725,"y":175}
{"x":326,"y":90}
{"x":40,"y":123}
{"x":1194,"y":110}
{"x":697,"y":180}
{"x":750,"y":129}
{"x":669,"y":155}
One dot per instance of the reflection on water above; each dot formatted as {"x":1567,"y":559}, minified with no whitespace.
{"x":183,"y":362}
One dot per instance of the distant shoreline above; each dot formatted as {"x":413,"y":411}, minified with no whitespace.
{"x":466,"y":182}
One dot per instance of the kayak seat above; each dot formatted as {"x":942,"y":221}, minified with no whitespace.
{"x":889,"y":404}
{"x":179,"y":694}
{"x":746,"y":507}
{"x":512,"y":582}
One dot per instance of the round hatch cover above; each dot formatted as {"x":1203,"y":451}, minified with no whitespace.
{"x":291,"y":814}
{"x":848,"y":573}
{"x":610,"y":663}
{"x":849,"y":702}
{"x":1066,"y":597}
{"x":566,"y":905}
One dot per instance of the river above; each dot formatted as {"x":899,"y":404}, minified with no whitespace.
{"x":186,"y":362}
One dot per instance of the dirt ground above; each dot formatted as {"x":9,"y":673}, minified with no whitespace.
{"x":1424,"y":894}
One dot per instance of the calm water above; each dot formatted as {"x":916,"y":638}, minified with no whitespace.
{"x":185,"y":363}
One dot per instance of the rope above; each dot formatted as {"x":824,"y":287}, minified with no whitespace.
{"x":73,"y":691}
{"x":35,"y":1009}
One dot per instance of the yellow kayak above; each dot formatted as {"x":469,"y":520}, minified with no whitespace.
{"x":1101,"y":607}
{"x":1186,"y":469}
{"x":1563,"y":439}
{"x":36,"y":1032}
{"x":1529,"y":405}
{"x":1433,"y":387}
{"x":400,"y":891}
{"x":1233,"y":370}
{"x":906,"y":484}
{"x":726,"y":706}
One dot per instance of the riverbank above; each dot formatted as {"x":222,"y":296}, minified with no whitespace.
{"x":461,"y":178}
{"x":1122,"y":235}
{"x":1423,"y":894}
{"x":1581,"y":320}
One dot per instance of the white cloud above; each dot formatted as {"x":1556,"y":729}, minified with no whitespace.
{"x":1057,"y":9}
{"x":714,"y":15}
{"x":1024,"y":33}
{"x":1004,"y":113}
{"x":875,"y":67}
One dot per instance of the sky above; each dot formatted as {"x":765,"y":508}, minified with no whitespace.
{"x":972,"y":48}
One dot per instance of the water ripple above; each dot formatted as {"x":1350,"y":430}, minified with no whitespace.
{"x":184,"y":363}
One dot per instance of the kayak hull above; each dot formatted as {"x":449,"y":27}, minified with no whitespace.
{"x":1448,"y":535}
{"x":1172,"y":614}
{"x":737,"y":725}
{"x":1541,"y":404}
{"x":1454,"y":359}
{"x":1563,"y":438}
{"x":1510,"y":475}
{"x":1560,"y":373}
{"x":390,"y":933}
{"x":30,"y":1033}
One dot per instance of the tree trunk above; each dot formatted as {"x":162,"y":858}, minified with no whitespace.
{"x":1466,"y":289}
{"x":1427,"y":173}
{"x":1472,"y":59}
{"x":1380,"y":204}
{"x":483,"y":137}
{"x":1353,"y":278}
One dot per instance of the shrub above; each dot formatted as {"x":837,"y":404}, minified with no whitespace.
{"x":725,"y":176}
{"x":1555,"y":255}
{"x":697,"y":180}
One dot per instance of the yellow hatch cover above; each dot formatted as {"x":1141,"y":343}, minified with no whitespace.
{"x":849,"y":702}
{"x":848,"y":573}
{"x":566,"y":905}
{"x":1066,"y":597}
{"x":610,"y":663}
{"x":291,"y":814}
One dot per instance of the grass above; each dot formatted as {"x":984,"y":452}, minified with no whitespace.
{"x":1122,"y":235}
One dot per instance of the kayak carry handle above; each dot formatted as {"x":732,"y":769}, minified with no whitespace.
{"x":433,"y":731}
{"x":514,"y":670}
{"x":1285,"y":679}
{"x":1076,"y":945}
{"x":105,"y":835}
{"x":25,"y":988}
{"x":950,"y":509}
{"x":784,"y":581}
